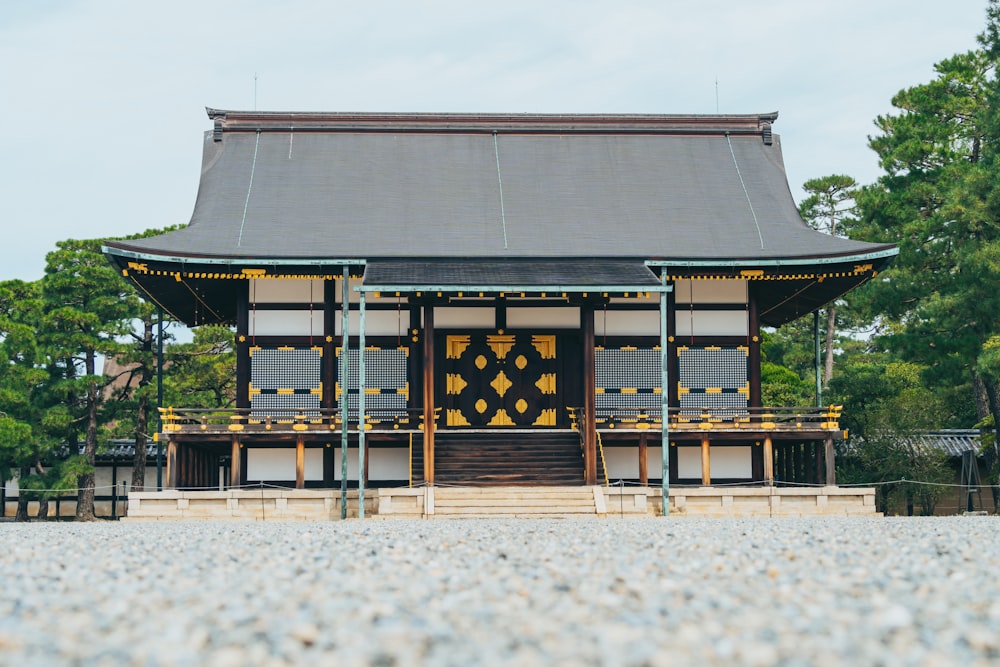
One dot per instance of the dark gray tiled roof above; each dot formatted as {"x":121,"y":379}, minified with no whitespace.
{"x":437,"y":189}
{"x":511,"y":273}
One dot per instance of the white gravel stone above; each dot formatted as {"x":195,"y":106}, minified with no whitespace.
{"x":792,"y":592}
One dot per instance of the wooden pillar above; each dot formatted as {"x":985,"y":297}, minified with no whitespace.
{"x":831,"y":470}
{"x":429,"y":394}
{"x":706,"y":462}
{"x":236,"y":466}
{"x":171,"y":463}
{"x":300,"y":463}
{"x":643,"y":460}
{"x":753,"y":352}
{"x":243,"y":349}
{"x":768,"y":461}
{"x":328,"y":400}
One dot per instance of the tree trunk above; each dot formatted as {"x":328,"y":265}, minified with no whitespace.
{"x":831,"y":330}
{"x":142,"y":412}
{"x":22,"y":500}
{"x":43,"y":509}
{"x":85,"y":496}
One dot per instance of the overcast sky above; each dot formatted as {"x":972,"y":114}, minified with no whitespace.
{"x":103,"y":100}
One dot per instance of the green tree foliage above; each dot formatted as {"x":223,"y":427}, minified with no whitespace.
{"x":202,"y":373}
{"x":89,"y":310}
{"x":886,"y":405}
{"x":940,"y":293}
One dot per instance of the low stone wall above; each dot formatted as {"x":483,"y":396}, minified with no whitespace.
{"x":247,"y":504}
{"x":419,"y":503}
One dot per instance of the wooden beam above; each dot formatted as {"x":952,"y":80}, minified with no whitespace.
{"x":768,"y":461}
{"x":706,"y":462}
{"x":589,"y":425}
{"x":429,"y":394}
{"x":300,"y":463}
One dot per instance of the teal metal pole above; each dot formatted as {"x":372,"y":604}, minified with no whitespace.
{"x":361,"y":406}
{"x":664,"y":398}
{"x":819,"y":381}
{"x":344,"y":384}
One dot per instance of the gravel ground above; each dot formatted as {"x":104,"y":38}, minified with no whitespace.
{"x":747,"y":592}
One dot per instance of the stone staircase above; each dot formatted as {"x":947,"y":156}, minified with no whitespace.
{"x":505,"y":459}
{"x":514,"y":502}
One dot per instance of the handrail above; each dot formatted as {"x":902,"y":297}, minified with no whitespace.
{"x":239,"y":419}
{"x":604,"y":463}
{"x":702,"y":418}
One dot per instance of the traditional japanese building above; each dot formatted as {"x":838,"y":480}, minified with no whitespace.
{"x":507,"y":296}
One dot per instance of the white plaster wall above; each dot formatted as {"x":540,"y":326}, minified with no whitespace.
{"x":388,"y":464}
{"x":286,"y":323}
{"x":712,"y":323}
{"x":278,"y":464}
{"x":726,"y":462}
{"x":476,"y":318}
{"x":555,"y":318}
{"x":627,"y":323}
{"x":352,"y":464}
{"x":654,"y":462}
{"x":285,"y":291}
{"x":710,"y":291}
{"x":377,"y":322}
{"x":622,"y":462}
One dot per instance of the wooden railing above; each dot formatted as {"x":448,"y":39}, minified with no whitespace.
{"x":767,"y":418}
{"x":195,"y":420}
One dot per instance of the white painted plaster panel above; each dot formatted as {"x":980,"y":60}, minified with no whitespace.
{"x":622,"y":462}
{"x":689,"y":462}
{"x":278,"y":464}
{"x":286,"y":323}
{"x":712,"y":323}
{"x":286,"y":291}
{"x":352,"y":463}
{"x":273,"y":464}
{"x":556,"y":318}
{"x":377,"y":322}
{"x":455,"y":318}
{"x":627,"y":323}
{"x":731,"y":462}
{"x":654,"y":462}
{"x":710,"y":291}
{"x":388,"y":464}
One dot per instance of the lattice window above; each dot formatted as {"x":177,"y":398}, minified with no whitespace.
{"x":715,"y":378}
{"x":284,"y":381}
{"x":386,"y":385}
{"x":627,"y":377}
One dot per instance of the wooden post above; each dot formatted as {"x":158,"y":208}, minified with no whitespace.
{"x":706,"y":462}
{"x":643,"y":460}
{"x":429,"y":394}
{"x":300,"y":463}
{"x":589,"y":425}
{"x":236,"y":467}
{"x":171,"y":463}
{"x":831,"y":470}
{"x":768,"y":461}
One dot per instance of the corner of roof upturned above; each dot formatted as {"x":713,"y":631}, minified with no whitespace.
{"x":218,"y":119}
{"x":764,"y":121}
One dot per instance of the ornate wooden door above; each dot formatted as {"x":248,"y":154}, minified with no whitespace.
{"x":495,"y":380}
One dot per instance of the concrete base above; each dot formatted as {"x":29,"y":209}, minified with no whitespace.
{"x":496,"y":502}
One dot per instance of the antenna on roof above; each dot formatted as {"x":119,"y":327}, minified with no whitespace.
{"x":255,"y":91}
{"x":716,"y":95}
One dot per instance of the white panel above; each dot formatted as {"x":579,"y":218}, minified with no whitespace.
{"x":731,"y":462}
{"x":560,"y":318}
{"x":622,"y":462}
{"x":388,"y":464}
{"x":654,"y":462}
{"x":712,"y":323}
{"x":710,"y":291}
{"x":477,"y":318}
{"x":627,"y":323}
{"x":352,"y":463}
{"x":314,"y":464}
{"x":286,"y":323}
{"x":689,"y":462}
{"x":286,"y":291}
{"x":271,"y":464}
{"x":377,"y":322}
